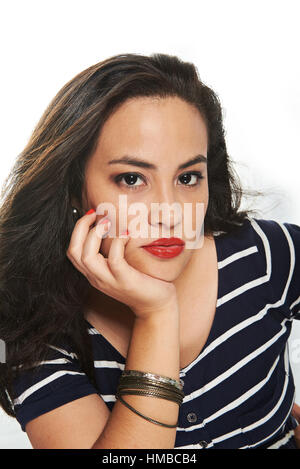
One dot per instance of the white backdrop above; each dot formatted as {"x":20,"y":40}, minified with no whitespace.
{"x":248,"y":52}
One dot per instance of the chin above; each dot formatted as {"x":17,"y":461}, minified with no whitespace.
{"x":168,"y":275}
{"x":162,"y":269}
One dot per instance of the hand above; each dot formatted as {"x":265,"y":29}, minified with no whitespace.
{"x":296,"y":414}
{"x":144,"y":294}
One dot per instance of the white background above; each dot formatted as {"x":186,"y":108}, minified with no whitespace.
{"x":247,"y":51}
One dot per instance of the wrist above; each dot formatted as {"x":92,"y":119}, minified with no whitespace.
{"x":169,"y":309}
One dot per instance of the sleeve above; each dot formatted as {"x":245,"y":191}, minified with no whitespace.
{"x":50,"y":384}
{"x":293,"y":294}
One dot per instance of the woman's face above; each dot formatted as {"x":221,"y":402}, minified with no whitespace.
{"x":165,"y":133}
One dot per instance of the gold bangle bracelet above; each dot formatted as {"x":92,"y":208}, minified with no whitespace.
{"x":151,"y":388}
{"x":144,"y":381}
{"x":151,"y":393}
{"x":173,"y":394}
{"x":129,"y":379}
{"x":145,"y":374}
{"x":150,"y":383}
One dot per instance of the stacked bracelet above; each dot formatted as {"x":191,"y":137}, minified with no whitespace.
{"x":149,"y":384}
{"x":158,"y":378}
{"x":144,"y":416}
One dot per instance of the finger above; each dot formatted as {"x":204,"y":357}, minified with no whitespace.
{"x":78,"y":237}
{"x":116,"y":260}
{"x":92,"y":260}
{"x":93,"y":241}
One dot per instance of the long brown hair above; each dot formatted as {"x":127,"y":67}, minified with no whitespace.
{"x":41,"y":293}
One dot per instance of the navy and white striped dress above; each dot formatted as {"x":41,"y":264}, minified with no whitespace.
{"x":239,"y":391}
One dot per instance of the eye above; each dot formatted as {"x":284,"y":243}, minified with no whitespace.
{"x":186,"y":178}
{"x":130,"y":179}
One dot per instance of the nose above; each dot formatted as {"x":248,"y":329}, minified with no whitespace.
{"x":165,"y":210}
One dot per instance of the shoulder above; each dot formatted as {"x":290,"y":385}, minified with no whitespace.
{"x":266,"y":253}
{"x":268,"y":231}
{"x":276,"y":232}
{"x":269,"y":236}
{"x":49,"y":384}
{"x":280,"y":244}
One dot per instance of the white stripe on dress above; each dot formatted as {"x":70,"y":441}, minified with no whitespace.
{"x":56,"y":361}
{"x":232,"y":405}
{"x":293,"y":258}
{"x":295,"y":303}
{"x":108,"y":364}
{"x":42,"y":383}
{"x":108,"y":397}
{"x":272,"y":434}
{"x":239,"y":430}
{"x":238,"y":327}
{"x":236,"y":256}
{"x":283,"y":440}
{"x":64,"y":352}
{"x":233,"y":369}
{"x":276,"y":407}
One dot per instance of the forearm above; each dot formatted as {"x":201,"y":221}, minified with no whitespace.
{"x":154,"y":347}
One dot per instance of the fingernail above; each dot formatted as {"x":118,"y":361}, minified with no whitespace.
{"x":107,"y":225}
{"x":90,"y":211}
{"x":104,"y":220}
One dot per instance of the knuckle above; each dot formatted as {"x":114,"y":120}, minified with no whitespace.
{"x":69,"y":253}
{"x":114,"y":263}
{"x":85,"y":259}
{"x":90,"y":280}
{"x":76,"y":225}
{"x":94,"y":281}
{"x":79,"y":222}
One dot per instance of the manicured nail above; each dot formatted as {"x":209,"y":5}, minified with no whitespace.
{"x":90,"y":211}
{"x":104,"y":220}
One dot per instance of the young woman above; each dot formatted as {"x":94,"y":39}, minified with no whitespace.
{"x":114,"y":344}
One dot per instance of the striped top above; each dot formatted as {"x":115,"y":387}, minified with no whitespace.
{"x":239,"y":391}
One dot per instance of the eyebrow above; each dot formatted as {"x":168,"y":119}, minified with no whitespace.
{"x":134,"y":161}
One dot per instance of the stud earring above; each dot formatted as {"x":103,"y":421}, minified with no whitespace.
{"x":75,"y":213}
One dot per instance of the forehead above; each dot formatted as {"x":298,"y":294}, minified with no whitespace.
{"x":153,"y":127}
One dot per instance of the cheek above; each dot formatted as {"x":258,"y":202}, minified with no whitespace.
{"x":195,"y":214}
{"x":205,"y":198}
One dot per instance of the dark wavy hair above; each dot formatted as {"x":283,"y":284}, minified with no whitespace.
{"x":41,"y":293}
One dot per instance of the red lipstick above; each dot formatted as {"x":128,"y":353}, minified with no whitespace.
{"x":165,"y":247}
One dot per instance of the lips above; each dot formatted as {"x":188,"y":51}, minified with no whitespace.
{"x":165,"y":247}
{"x":166,"y":242}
